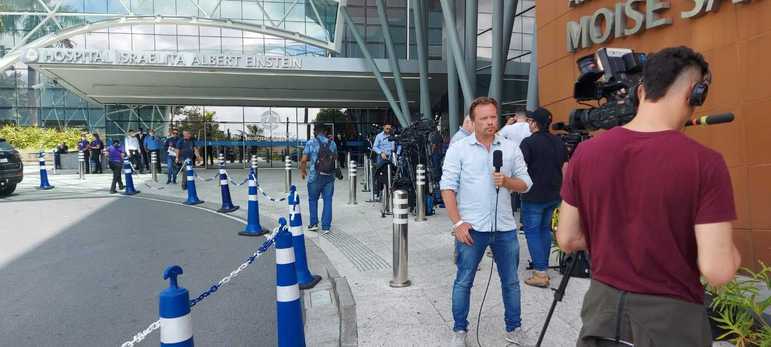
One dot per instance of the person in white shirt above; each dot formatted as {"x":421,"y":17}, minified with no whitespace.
{"x":465,"y":130}
{"x":132,"y":148}
{"x":516,"y":128}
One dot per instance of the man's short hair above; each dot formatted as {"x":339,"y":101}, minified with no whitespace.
{"x":662,"y":69}
{"x":321,"y":128}
{"x":480,"y":101}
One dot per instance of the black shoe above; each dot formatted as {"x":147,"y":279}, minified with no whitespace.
{"x":122,"y":188}
{"x":169,"y":182}
{"x":113,"y":192}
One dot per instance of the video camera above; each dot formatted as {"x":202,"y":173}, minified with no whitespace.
{"x":416,"y":134}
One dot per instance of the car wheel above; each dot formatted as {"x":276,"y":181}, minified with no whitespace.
{"x":7,"y":190}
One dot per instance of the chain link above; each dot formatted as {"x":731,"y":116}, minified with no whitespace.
{"x":142,"y":334}
{"x":213,"y":289}
{"x":270,"y":197}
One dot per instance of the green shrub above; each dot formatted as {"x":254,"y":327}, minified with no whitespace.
{"x":35,"y":138}
{"x":739,"y":306}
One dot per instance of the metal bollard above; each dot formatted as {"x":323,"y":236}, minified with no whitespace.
{"x":53,"y":155}
{"x":367,"y":174}
{"x":352,"y":178}
{"x":420,"y":196}
{"x":386,"y":194}
{"x":401,"y":211}
{"x":288,"y":179}
{"x":254,"y":166}
{"x":82,"y":165}
{"x":154,"y":162}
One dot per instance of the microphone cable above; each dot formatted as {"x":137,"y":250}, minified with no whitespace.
{"x":494,"y":229}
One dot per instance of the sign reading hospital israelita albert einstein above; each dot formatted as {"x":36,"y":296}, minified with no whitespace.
{"x":176,"y":59}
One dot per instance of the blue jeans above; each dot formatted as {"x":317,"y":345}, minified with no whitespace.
{"x":505,"y":247}
{"x":324,"y":186}
{"x":537,"y":220}
{"x":172,"y":174}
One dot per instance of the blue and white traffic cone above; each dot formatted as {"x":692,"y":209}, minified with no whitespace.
{"x":305,"y":278}
{"x":253,"y":227}
{"x":176,"y":322}
{"x":129,"y":171}
{"x":43,"y":173}
{"x":192,"y":195}
{"x":227,"y":203}
{"x":289,"y":319}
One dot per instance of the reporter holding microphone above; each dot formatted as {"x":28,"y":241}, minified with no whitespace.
{"x":481,"y":214}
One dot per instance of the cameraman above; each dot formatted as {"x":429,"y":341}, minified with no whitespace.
{"x":654,"y":208}
{"x":383,"y":144}
{"x":480,"y":216}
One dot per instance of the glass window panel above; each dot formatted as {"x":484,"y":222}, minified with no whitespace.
{"x":254,"y":46}
{"x":210,"y":31}
{"x":253,"y":35}
{"x":231,"y":33}
{"x":95,"y":6}
{"x":274,"y":46}
{"x":186,"y":8}
{"x":188,"y":43}
{"x":165,"y":7}
{"x":142,"y":42}
{"x":120,"y":41}
{"x":143,"y":29}
{"x":211,"y":45}
{"x":67,"y":5}
{"x":231,"y":9}
{"x":374,"y":33}
{"x":97,"y":41}
{"x":232,"y":45}
{"x":378,"y":50}
{"x":396,"y":3}
{"x":142,"y":7}
{"x":528,"y":24}
{"x":399,"y":34}
{"x":295,"y":49}
{"x":187,"y":30}
{"x":115,"y":6}
{"x":166,"y":29}
{"x":397,"y":16}
{"x":7,"y":97}
{"x":400,"y":51}
{"x":72,"y":100}
{"x":25,"y":5}
{"x":298,"y":12}
{"x":165,"y":43}
{"x":275,"y":9}
{"x":298,"y":27}
{"x":251,"y":11}
{"x":125,"y":29}
{"x":78,"y":42}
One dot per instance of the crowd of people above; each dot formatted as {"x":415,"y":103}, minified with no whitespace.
{"x":651,"y":206}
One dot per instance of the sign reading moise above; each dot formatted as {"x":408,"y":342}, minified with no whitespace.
{"x":598,"y":28}
{"x":178,"y":59}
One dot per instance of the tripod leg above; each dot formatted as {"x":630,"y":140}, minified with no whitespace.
{"x":559,"y":293}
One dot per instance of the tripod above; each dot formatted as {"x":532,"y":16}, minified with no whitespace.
{"x":559,"y":293}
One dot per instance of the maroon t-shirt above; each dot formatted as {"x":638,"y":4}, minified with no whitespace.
{"x":639,"y":196}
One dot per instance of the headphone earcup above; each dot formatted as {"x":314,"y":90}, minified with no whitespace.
{"x":699,"y":94}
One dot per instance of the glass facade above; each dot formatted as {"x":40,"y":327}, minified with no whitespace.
{"x":28,"y":97}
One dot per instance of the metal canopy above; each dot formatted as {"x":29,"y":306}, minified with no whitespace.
{"x":320,"y":82}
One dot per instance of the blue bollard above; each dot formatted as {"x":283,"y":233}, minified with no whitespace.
{"x":192,"y":195}
{"x":253,"y":227}
{"x":289,"y":319}
{"x":44,"y":185}
{"x":174,"y":303}
{"x":128,"y":171}
{"x":305,"y":278}
{"x":227,"y":203}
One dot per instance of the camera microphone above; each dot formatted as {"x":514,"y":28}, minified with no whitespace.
{"x":497,"y":160}
{"x":709,"y":120}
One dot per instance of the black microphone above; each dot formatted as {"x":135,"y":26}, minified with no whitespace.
{"x":709,"y":120}
{"x":497,"y":160}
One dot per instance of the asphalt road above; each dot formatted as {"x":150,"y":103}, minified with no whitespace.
{"x":87,"y":272}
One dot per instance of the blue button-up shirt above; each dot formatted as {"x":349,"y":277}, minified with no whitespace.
{"x":383,"y":144}
{"x":468,"y":170}
{"x":152,"y":143}
{"x":312,"y":151}
{"x":460,"y":135}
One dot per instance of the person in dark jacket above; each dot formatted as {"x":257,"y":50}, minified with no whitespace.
{"x":115,"y":156}
{"x":96,"y":147}
{"x":60,"y":149}
{"x":143,"y":150}
{"x":545,"y":155}
{"x":171,"y":156}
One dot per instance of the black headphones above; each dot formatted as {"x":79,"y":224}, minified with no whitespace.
{"x":698,"y":96}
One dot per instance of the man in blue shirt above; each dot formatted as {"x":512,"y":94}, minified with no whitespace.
{"x":186,"y":149}
{"x":153,"y":145}
{"x":321,"y":152}
{"x":481,"y":215}
{"x":383,"y":144}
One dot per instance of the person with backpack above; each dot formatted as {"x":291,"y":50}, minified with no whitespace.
{"x":321,"y":152}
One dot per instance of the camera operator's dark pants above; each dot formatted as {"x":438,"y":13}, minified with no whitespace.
{"x":645,"y":320}
{"x":117,"y":170}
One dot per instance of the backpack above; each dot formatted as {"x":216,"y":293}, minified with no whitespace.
{"x":325,"y":162}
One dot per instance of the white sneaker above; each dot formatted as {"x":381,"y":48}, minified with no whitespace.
{"x":458,"y":339}
{"x":326,"y":231}
{"x":516,"y":336}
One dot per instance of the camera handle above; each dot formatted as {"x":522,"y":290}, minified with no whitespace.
{"x":559,"y":293}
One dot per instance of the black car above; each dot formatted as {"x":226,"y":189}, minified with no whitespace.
{"x":11,"y":168}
